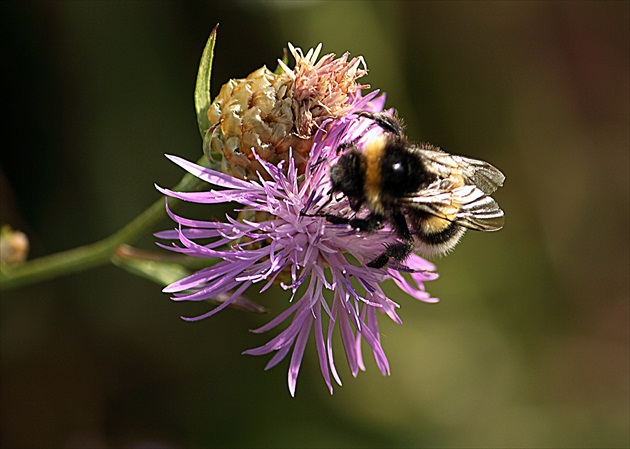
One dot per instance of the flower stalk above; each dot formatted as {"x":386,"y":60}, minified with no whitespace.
{"x":95,"y":254}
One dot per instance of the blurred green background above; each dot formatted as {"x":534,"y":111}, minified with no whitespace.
{"x":529,"y":344}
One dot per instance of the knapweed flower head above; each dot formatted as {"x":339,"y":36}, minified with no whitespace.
{"x":269,"y":113}
{"x":319,"y":264}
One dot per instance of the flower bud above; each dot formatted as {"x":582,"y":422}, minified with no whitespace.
{"x":13,"y":246}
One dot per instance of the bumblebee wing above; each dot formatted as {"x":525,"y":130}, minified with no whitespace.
{"x":474,"y":172}
{"x":482,"y":174}
{"x":478,"y":210}
{"x":468,"y":206}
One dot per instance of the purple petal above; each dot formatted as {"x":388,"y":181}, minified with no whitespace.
{"x":209,"y":175}
{"x":321,"y":348}
{"x":298,"y":352}
{"x":217,"y":309}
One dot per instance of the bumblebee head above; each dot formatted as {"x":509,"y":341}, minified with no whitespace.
{"x":347,"y":177}
{"x":400,"y":167}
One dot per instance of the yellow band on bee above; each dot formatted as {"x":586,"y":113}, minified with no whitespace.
{"x":372,"y":155}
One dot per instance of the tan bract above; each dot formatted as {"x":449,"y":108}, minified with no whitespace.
{"x":269,"y":113}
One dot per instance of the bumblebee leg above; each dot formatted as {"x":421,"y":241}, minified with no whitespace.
{"x":335,"y":219}
{"x":397,"y":251}
{"x":303,"y":212}
{"x":385,"y":121}
{"x":371,"y":223}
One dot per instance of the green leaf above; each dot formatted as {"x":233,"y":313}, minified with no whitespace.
{"x":285,"y":58}
{"x":162,"y":273}
{"x":202,"y":86}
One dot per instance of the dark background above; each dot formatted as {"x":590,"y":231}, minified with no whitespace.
{"x":529,"y":344}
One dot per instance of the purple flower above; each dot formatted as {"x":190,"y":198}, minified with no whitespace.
{"x":293,"y":250}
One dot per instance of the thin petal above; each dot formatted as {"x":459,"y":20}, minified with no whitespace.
{"x":217,"y":309}
{"x":298,"y":353}
{"x":209,"y":175}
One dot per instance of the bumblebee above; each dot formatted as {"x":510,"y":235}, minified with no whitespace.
{"x":427,"y":196}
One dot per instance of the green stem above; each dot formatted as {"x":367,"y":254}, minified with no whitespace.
{"x":102,"y":252}
{"x":95,"y":254}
